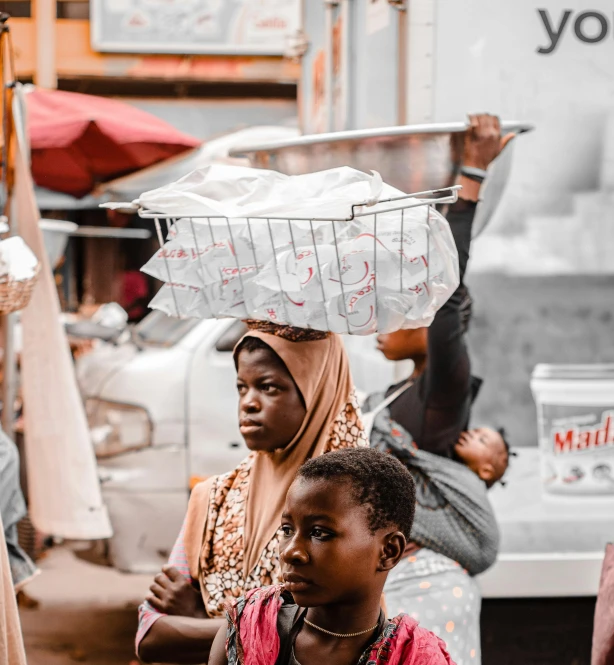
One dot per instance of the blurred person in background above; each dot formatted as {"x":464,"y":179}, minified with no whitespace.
{"x":434,"y":405}
{"x":136,"y":288}
{"x":424,"y":422}
{"x":13,"y":510}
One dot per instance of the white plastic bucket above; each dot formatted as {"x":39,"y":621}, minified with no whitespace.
{"x":575,"y":417}
{"x":55,"y":237}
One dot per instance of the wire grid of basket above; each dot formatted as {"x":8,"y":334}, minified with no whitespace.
{"x":427,"y":200}
{"x":15,"y":294}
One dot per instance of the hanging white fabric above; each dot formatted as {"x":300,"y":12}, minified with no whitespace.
{"x":64,"y":490}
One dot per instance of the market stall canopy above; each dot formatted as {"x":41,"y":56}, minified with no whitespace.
{"x":78,"y":141}
{"x":215,"y":150}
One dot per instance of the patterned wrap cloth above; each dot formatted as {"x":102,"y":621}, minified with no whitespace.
{"x":291,"y":333}
{"x":453,"y":513}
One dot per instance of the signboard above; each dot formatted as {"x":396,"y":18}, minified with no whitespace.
{"x":340,"y":76}
{"x":250,"y":27}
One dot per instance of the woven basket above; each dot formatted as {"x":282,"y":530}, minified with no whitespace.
{"x":15,"y":295}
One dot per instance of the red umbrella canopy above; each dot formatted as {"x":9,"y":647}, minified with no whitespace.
{"x":80,"y":140}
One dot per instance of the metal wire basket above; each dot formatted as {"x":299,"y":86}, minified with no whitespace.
{"x":263,"y":258}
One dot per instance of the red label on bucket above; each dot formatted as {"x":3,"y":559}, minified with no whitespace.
{"x":577,"y":448}
{"x":575,"y":438}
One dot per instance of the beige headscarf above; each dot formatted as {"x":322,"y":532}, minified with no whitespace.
{"x":233,"y":520}
{"x":11,"y":642}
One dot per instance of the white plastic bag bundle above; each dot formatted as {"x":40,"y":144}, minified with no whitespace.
{"x":17,"y":261}
{"x":249,"y":243}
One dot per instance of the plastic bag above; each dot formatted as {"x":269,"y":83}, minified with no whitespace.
{"x":378,"y":272}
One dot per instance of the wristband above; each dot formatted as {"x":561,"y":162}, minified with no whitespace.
{"x":477,"y":175}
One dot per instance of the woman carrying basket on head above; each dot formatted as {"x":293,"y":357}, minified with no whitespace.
{"x":424,"y":423}
{"x":296,"y":402}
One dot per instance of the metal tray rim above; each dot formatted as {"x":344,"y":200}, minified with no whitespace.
{"x":380,"y":132}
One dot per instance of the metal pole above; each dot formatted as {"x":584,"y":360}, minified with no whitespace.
{"x":403,"y":28}
{"x":329,"y":6}
{"x":420,"y":56}
{"x":9,"y":379}
{"x":45,"y":17}
{"x":301,"y":82}
{"x":345,"y":84}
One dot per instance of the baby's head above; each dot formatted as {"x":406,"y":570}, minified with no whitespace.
{"x":346,"y":522}
{"x":485,"y":451}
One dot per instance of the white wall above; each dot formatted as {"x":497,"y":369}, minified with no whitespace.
{"x":486,"y":59}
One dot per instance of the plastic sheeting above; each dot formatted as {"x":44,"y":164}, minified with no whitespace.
{"x":64,"y":490}
{"x":253,"y":243}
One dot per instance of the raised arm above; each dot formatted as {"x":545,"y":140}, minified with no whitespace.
{"x":446,"y":382}
{"x":483,"y":143}
{"x":447,"y":369}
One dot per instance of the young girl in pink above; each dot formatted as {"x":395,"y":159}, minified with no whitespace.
{"x":345,"y":525}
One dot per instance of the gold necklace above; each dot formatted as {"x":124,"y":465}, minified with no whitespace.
{"x":341,"y":635}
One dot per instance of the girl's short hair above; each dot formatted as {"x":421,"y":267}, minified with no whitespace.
{"x":377,"y":480}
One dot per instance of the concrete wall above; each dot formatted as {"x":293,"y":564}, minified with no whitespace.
{"x":519,"y":321}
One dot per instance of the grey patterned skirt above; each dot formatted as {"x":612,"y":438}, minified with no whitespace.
{"x":439,"y":594}
{"x":13,"y":509}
